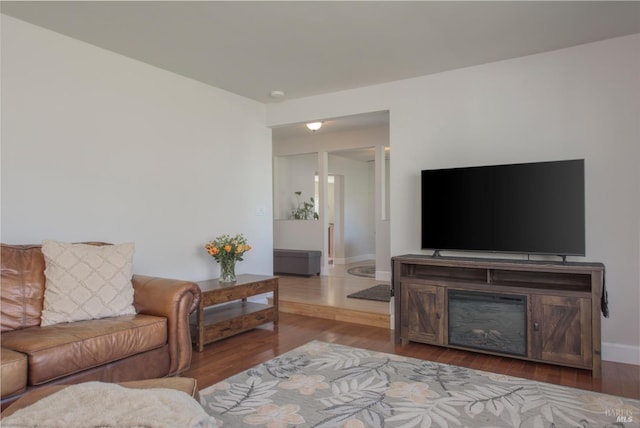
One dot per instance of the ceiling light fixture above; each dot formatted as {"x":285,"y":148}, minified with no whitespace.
{"x":314,"y":126}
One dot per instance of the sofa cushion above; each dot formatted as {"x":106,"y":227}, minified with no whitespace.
{"x":62,"y":349}
{"x":86,"y":281}
{"x":13,"y":372}
{"x":22,"y":291}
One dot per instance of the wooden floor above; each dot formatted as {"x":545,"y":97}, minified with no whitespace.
{"x":326,"y":297}
{"x":225,"y":358}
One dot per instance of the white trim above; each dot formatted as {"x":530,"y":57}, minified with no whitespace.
{"x":354,"y":259}
{"x":621,"y":353}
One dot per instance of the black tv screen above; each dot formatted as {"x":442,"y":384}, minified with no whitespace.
{"x":533,"y":208}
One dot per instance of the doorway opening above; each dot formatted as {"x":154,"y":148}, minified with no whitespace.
{"x":330,"y":212}
{"x":353,"y":209}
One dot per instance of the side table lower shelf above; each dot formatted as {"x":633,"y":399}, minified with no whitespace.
{"x":234,"y":318}
{"x":224,"y":310}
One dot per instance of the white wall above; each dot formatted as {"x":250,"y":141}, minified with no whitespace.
{"x":581,"y":102}
{"x":291,"y":174}
{"x":96,"y":146}
{"x":298,"y":235}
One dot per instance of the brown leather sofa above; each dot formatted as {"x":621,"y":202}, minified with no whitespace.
{"x":153,"y":343}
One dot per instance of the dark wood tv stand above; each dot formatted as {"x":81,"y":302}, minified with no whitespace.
{"x":562,"y":303}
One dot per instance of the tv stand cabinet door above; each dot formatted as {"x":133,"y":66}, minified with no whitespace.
{"x":423,"y":313}
{"x":561,"y":330}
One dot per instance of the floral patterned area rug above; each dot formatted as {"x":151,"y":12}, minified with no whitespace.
{"x":328,"y":385}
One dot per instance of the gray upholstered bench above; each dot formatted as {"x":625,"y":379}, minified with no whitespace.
{"x":296,"y":262}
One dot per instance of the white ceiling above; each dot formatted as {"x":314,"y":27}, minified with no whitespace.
{"x":336,"y":124}
{"x":307,"y":48}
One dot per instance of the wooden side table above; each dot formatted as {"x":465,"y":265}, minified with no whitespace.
{"x":224,"y":310}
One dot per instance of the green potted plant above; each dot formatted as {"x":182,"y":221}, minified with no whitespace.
{"x":305,"y":210}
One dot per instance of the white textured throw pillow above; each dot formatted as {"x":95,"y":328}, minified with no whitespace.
{"x":86,"y":281}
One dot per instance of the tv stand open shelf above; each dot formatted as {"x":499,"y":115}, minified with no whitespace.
{"x":561,"y":310}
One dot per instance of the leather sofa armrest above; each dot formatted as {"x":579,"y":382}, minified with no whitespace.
{"x":174,"y":300}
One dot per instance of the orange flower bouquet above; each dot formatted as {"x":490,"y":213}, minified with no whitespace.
{"x":227,"y":249}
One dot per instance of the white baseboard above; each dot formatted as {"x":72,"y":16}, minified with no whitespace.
{"x":354,"y":259}
{"x":621,"y":353}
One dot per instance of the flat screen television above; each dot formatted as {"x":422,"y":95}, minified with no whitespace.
{"x":532,"y":208}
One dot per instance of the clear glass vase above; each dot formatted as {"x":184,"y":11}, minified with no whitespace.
{"x":227,"y":270}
